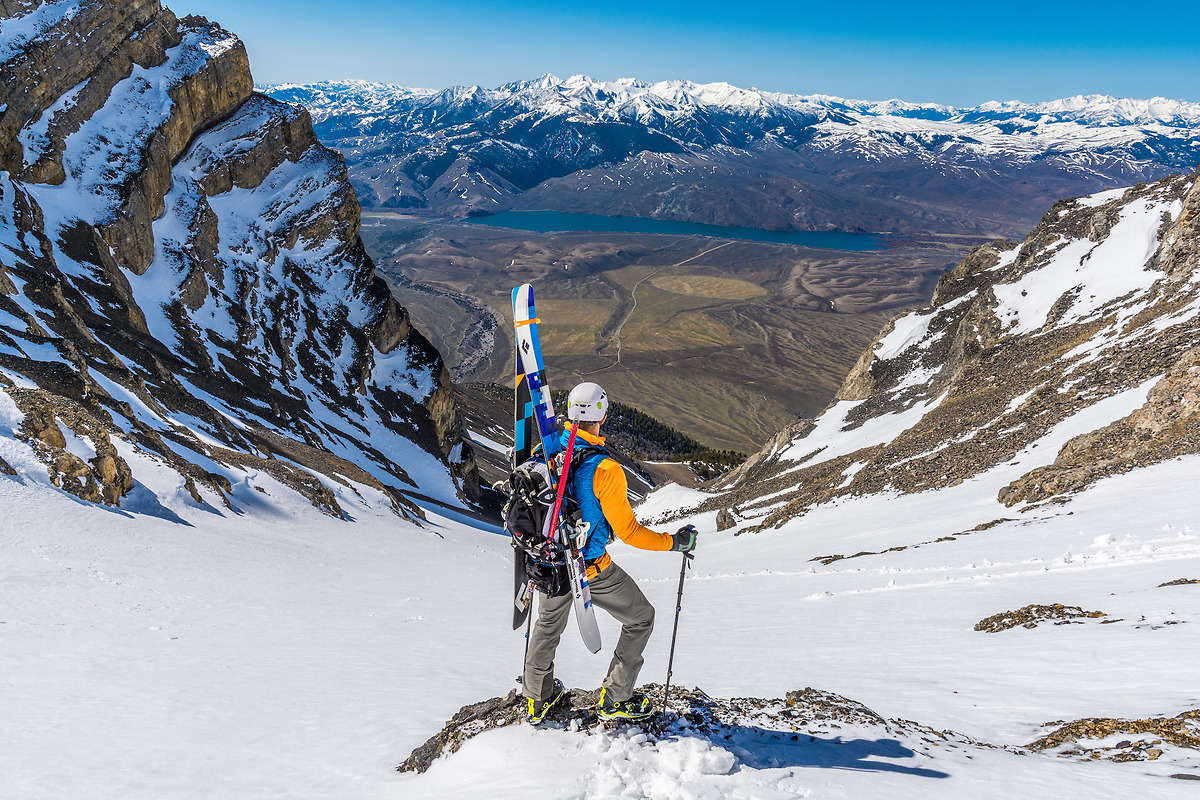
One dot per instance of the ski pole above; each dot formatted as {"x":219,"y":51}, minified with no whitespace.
{"x":687,"y":561}
{"x":528,"y":626}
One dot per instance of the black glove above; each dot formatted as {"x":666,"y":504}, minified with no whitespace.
{"x":684,"y":539}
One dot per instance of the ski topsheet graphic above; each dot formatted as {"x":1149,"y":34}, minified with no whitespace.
{"x":525,"y":437}
{"x":539,"y":408}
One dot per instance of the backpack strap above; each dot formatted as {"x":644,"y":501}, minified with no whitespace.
{"x":582,"y":454}
{"x":580,"y":457}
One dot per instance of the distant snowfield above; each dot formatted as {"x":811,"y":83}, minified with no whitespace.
{"x":285,"y":654}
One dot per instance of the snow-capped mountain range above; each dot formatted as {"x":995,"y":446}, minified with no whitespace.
{"x":723,"y":154}
{"x":629,"y":96}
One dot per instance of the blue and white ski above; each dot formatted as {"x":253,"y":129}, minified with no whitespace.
{"x":532,"y":373}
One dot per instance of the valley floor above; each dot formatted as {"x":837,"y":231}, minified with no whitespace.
{"x":280,"y":653}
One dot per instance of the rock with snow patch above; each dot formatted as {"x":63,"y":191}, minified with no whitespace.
{"x":181,"y":266}
{"x":1091,"y":312}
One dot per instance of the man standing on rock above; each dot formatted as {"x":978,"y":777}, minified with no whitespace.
{"x":598,"y":484}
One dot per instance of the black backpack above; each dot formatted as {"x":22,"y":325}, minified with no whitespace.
{"x":530,"y":499}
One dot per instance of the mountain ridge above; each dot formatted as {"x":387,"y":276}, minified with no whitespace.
{"x":725,"y":155}
{"x":1159,"y":110}
{"x":1083,"y":338}
{"x":187,"y":304}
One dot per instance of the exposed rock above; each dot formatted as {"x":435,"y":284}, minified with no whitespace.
{"x":132,"y":144}
{"x":1179,"y":256}
{"x":103,"y":478}
{"x":983,"y":376}
{"x":1031,"y":616}
{"x":471,"y":720}
{"x":983,"y":526}
{"x":1167,"y":426}
{"x":690,"y":712}
{"x":1179,"y":582}
{"x":725,"y":519}
{"x":1182,"y":730}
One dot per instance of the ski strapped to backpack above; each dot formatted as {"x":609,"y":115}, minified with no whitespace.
{"x":532,"y":374}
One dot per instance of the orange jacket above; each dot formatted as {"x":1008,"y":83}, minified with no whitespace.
{"x":612,"y":489}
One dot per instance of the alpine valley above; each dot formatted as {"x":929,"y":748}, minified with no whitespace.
{"x":766,"y":330}
{"x":242,"y":550}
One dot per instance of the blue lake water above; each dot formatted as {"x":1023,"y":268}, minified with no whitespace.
{"x":560,"y":221}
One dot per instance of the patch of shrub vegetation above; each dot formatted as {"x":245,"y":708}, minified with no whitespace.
{"x":648,"y":439}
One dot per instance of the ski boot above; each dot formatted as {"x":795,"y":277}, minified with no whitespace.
{"x":638,"y":706}
{"x":539,"y":708}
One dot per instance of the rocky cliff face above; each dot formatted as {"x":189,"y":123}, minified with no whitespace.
{"x":183,"y":281}
{"x":1073,"y":355}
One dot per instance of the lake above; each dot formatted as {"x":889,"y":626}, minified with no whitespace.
{"x":560,"y":221}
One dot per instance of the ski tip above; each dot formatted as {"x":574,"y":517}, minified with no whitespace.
{"x":522,"y":302}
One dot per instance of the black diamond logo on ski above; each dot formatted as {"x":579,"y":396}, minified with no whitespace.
{"x":525,"y":346}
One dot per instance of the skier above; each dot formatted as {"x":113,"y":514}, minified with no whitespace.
{"x":600,"y":488}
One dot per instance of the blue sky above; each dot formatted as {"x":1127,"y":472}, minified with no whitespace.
{"x":960,"y":53}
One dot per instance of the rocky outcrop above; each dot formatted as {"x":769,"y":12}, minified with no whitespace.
{"x":1098,"y":303}
{"x":1030,"y":616}
{"x":1069,"y":739}
{"x":808,"y":713}
{"x":183,"y":267}
{"x":99,"y":474}
{"x":1167,"y":426}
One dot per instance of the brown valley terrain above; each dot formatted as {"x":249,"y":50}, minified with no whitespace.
{"x":726,"y":340}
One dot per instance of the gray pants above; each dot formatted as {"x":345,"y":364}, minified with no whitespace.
{"x":615,"y":592}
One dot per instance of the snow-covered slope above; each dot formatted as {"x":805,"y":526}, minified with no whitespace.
{"x":188,"y":653}
{"x":1038,"y":369}
{"x":269,"y":656}
{"x":822,"y":161}
{"x":183,"y":279}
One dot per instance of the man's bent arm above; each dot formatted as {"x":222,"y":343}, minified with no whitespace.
{"x":613,"y":492}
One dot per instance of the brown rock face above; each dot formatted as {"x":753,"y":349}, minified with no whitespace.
{"x":187,"y":250}
{"x":991,"y":378}
{"x":1179,"y":255}
{"x":104,"y":478}
{"x":1167,"y":426}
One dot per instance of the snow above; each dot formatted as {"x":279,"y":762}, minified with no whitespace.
{"x":277,"y":653}
{"x":1099,"y":273}
{"x":833,"y":438}
{"x":34,"y":137}
{"x":490,"y":444}
{"x":1081,"y":127}
{"x":172,"y":648}
{"x":1100,"y":198}
{"x":19,"y":32}
{"x":108,"y":147}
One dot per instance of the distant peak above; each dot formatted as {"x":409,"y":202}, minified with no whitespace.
{"x":584,"y":90}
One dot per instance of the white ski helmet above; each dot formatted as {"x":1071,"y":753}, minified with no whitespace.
{"x":587,"y":403}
